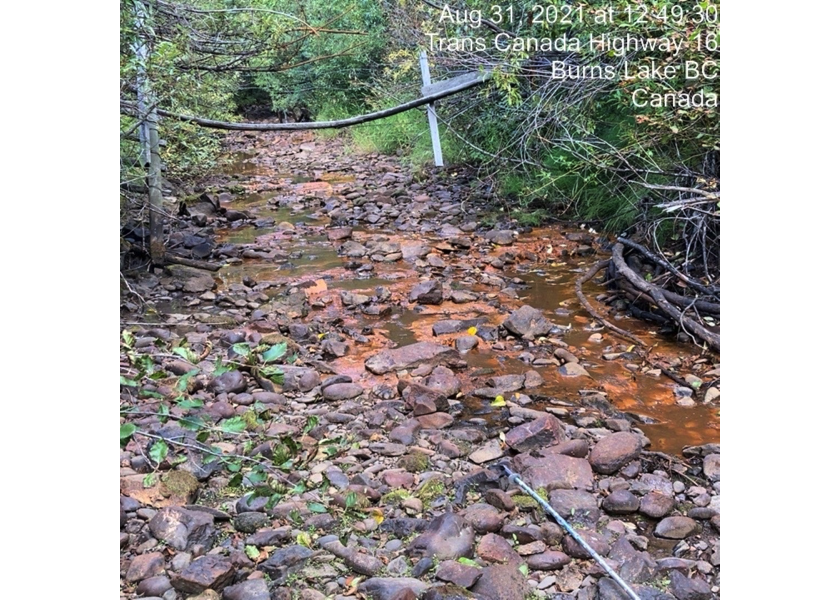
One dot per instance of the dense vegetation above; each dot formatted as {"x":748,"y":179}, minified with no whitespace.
{"x":549,"y":147}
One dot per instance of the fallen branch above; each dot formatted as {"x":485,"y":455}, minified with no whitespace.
{"x":713,"y":290}
{"x":189,"y":262}
{"x":689,"y":324}
{"x":591,"y":310}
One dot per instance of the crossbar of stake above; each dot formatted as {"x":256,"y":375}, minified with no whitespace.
{"x":547,"y":507}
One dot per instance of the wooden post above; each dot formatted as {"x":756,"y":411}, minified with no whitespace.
{"x":430,"y":109}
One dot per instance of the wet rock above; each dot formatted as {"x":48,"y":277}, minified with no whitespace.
{"x":145,"y":566}
{"x":545,"y":430}
{"x":573,"y":369}
{"x":465,"y":343}
{"x":202,"y":282}
{"x":495,"y":548}
{"x":426,"y":292}
{"x":656,"y":505}
{"x":423,"y":400}
{"x":182,"y":529}
{"x":483,"y":518}
{"x":676,"y":528}
{"x":548,"y":560}
{"x":502,"y":582}
{"x":685,"y":588}
{"x":614,"y":451}
{"x":448,"y":326}
{"x":454,"y":572}
{"x":406,"y":357}
{"x":527,"y":322}
{"x":501,"y":237}
{"x":391,"y":588}
{"x":447,"y":537}
{"x":212,"y":571}
{"x":557,"y":471}
{"x":342,"y":391}
{"x":250,"y":589}
{"x":582,"y":504}
{"x":621,"y":502}
{"x":229,"y":382}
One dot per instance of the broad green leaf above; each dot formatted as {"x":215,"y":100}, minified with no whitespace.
{"x":236,"y":480}
{"x":252,"y":552}
{"x":311,"y":423}
{"x":128,"y":338}
{"x":242,"y":349}
{"x":163,"y":413}
{"x":220,"y":367}
{"x":272,"y":501}
{"x":316,"y":507}
{"x":149,"y":480}
{"x":158,"y":451}
{"x":128,"y":382}
{"x":303,"y":539}
{"x":184,"y":380}
{"x":275,"y":352}
{"x":190,"y":403}
{"x":192,"y":423}
{"x":127,"y":430}
{"x":523,"y":568}
{"x":186,"y":354}
{"x":202,"y":436}
{"x":233,"y":425}
{"x":150,"y":394}
{"x":467,"y":561}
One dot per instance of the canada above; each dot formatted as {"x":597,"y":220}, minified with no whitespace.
{"x":643,"y":97}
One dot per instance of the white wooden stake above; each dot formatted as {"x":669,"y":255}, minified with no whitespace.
{"x":430,"y":109}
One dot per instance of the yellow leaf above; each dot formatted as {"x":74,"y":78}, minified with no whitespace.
{"x":502,"y":437}
{"x":630,"y":349}
{"x":377,"y":515}
{"x":472,"y":330}
{"x":498,"y":401}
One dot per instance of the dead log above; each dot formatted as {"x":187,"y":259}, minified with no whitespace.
{"x":686,"y":322}
{"x":704,"y":289}
{"x":591,"y":310}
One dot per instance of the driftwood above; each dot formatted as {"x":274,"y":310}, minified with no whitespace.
{"x":703,"y":289}
{"x":661,"y":301}
{"x":591,"y":310}
{"x":174,"y":259}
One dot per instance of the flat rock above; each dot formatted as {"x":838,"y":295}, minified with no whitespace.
{"x":656,"y":505}
{"x":557,"y":471}
{"x":250,"y":589}
{"x":495,"y":548}
{"x":598,"y":542}
{"x":438,"y":420}
{"x":711,"y":467}
{"x":489,"y":451}
{"x":423,"y":400}
{"x":527,"y":322}
{"x":301,"y":379}
{"x":426,"y":292}
{"x":676,"y":528}
{"x":342,"y":391}
{"x":443,"y":380}
{"x":406,"y":357}
{"x":483,"y":517}
{"x":182,"y":529}
{"x":502,"y":582}
{"x":501,"y":237}
{"x":545,"y":430}
{"x":229,"y":382}
{"x":286,"y":560}
{"x":689,"y":588}
{"x":614,"y":451}
{"x":573,"y":369}
{"x":621,"y":502}
{"x":447,"y":537}
{"x":454,"y":572}
{"x":211,"y":571}
{"x":145,"y":566}
{"x":548,"y":560}
{"x":390,"y":588}
{"x":582,"y":504}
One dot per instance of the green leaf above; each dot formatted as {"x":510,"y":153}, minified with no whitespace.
{"x":242,"y":349}
{"x":149,"y":480}
{"x":150,"y":394}
{"x":236,"y":480}
{"x":311,"y":423}
{"x":184,"y":380}
{"x":316,"y":507}
{"x":202,"y":436}
{"x":498,"y":401}
{"x":127,"y":430}
{"x":467,"y":561}
{"x":190,"y":403}
{"x":523,"y":568}
{"x":220,"y":367}
{"x":192,"y":423}
{"x":186,"y":354}
{"x":128,"y":382}
{"x":275,"y":352}
{"x":252,"y":552}
{"x":158,"y":451}
{"x":128,"y":338}
{"x":163,"y":413}
{"x":233,"y":425}
{"x":272,"y":501}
